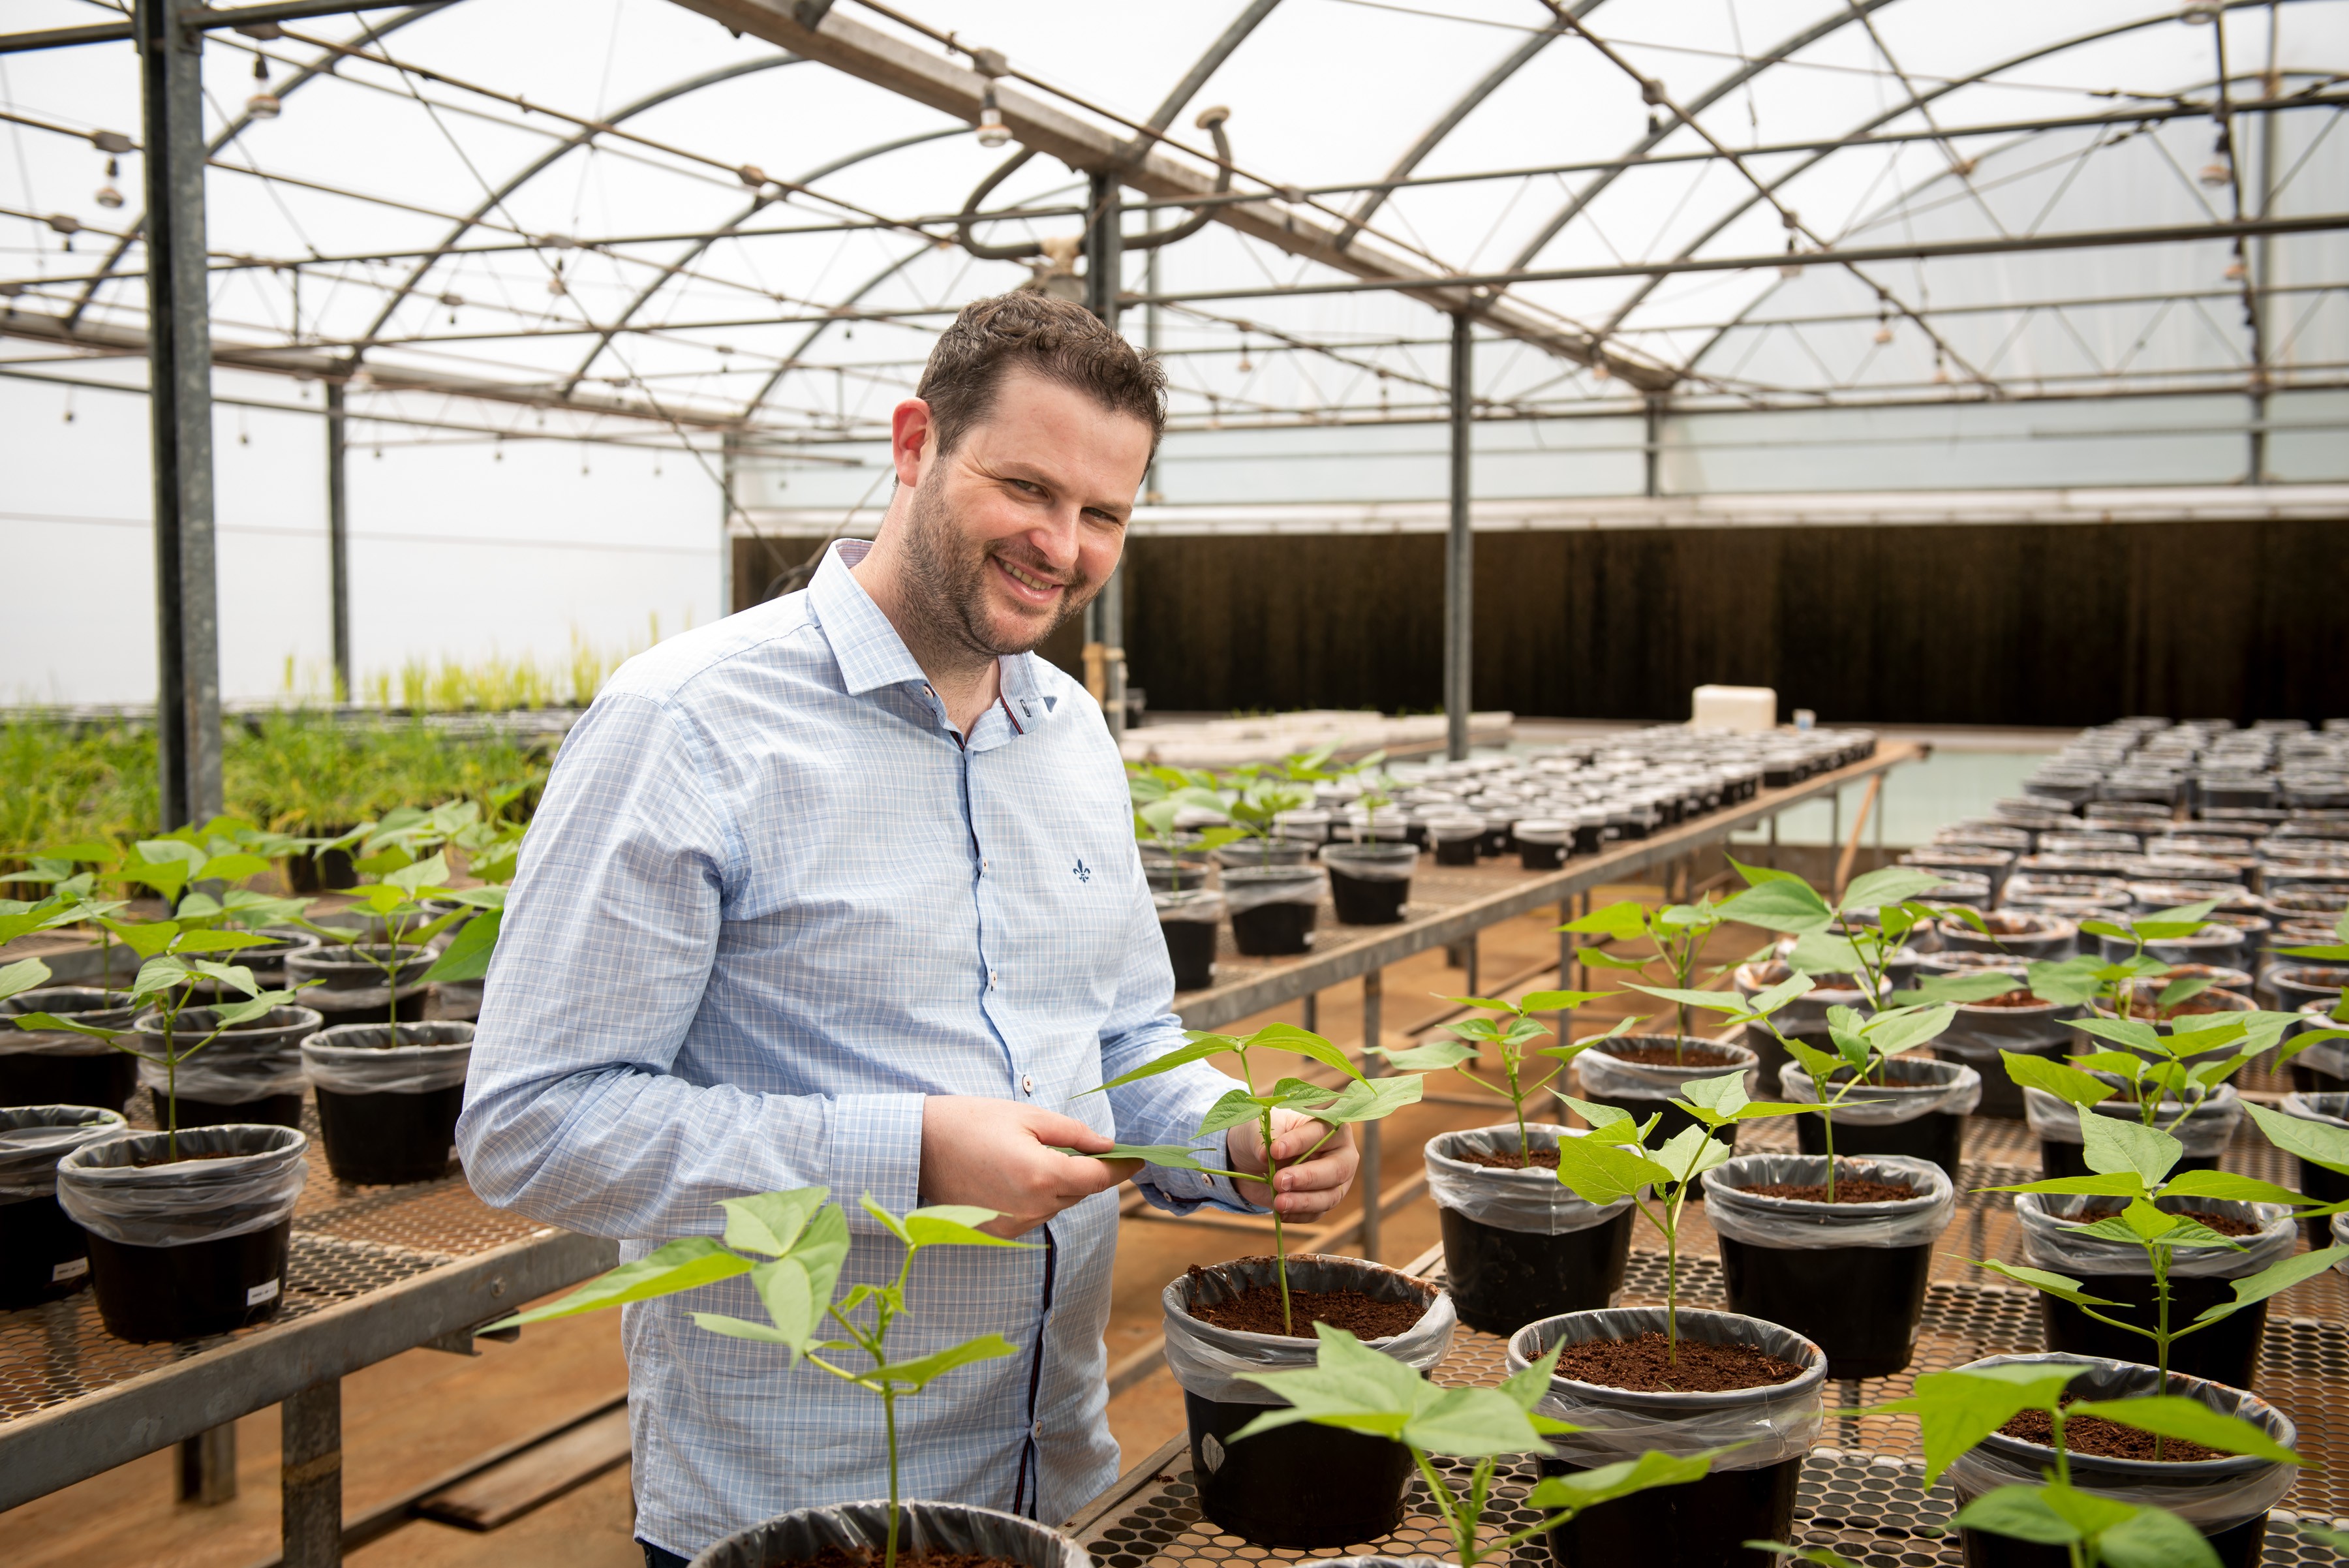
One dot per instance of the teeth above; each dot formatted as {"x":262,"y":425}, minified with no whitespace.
{"x":1039,"y":585}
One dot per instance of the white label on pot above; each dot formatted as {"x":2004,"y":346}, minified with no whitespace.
{"x":1212,"y":1451}
{"x":71,"y":1268}
{"x":267,"y":1291}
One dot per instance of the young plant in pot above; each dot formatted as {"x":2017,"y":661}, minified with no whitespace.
{"x":2175,"y":1080}
{"x":57,"y":1066}
{"x":792,"y":1245}
{"x":2047,"y":1479}
{"x":2314,"y":1131}
{"x":1516,"y":1244}
{"x":1260,"y":794}
{"x":1369,"y":882}
{"x":1994,"y":1013}
{"x":1316,"y":1489}
{"x":1174,"y":860}
{"x":1636,"y":1377}
{"x":1641,"y":1075}
{"x":1187,"y":916}
{"x":2327,"y":1071}
{"x":43,"y":1256}
{"x":358,"y":979}
{"x":2119,"y":1255}
{"x":1354,"y":1389}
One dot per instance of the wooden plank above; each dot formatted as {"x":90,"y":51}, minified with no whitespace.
{"x":514,"y":1486}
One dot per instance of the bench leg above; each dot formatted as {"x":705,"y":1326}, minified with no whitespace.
{"x":208,"y":1466}
{"x":313,"y":1477}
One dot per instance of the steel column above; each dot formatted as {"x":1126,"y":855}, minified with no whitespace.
{"x":180,"y":368}
{"x":338,"y":539}
{"x":1366,"y":1177}
{"x":1652,"y":444}
{"x":207,"y":1467}
{"x":1104,"y":281}
{"x":312,"y":1518}
{"x":1459,"y":554}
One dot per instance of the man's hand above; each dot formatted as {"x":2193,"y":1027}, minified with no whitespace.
{"x":1313,"y":1188}
{"x":998,"y":1154}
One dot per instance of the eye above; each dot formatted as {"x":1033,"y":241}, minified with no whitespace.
{"x":1027,"y":486}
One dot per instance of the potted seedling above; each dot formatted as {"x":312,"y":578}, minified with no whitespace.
{"x":42,"y":1255}
{"x":359,"y":979}
{"x":1324,"y":1489}
{"x":1354,"y":1389}
{"x":57,"y":1066}
{"x":2047,"y":1479}
{"x":2148,"y":1247}
{"x":1994,"y":1012}
{"x":388,"y":1098}
{"x":2174,"y":1080}
{"x":1641,"y":1074}
{"x":792,"y":1245}
{"x":1187,"y":916}
{"x":1516,"y":1244}
{"x":1369,"y":881}
{"x":1258,"y":796}
{"x":2303,"y":989}
{"x":1708,"y":1378}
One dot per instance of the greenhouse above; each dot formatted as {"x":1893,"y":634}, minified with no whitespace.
{"x":1546,"y":783}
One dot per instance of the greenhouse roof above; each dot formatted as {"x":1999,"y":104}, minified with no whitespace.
{"x":622,"y":213}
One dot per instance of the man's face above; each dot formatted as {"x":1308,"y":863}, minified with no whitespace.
{"x":1017,"y":528}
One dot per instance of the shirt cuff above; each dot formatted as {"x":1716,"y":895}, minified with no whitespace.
{"x":1179,"y":1191}
{"x":877,"y":1149}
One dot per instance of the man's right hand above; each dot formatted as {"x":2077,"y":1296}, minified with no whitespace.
{"x":998,"y":1154}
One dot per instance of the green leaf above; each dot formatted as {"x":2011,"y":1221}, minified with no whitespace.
{"x":1178,"y":1156}
{"x":770,"y":1222}
{"x":1237,"y":1109}
{"x":2226,"y":1185}
{"x":1956,"y":1410}
{"x":2155,"y":1538}
{"x":24,"y":974}
{"x":2065,"y":1083}
{"x":2131,"y":1031}
{"x":1893,"y":1033}
{"x":218,"y":942}
{"x":1588,"y":1489}
{"x":1201,"y":1048}
{"x":796,"y":1288}
{"x":1434,"y":1056}
{"x":1603,"y":1173}
{"x":2120,"y":1184}
{"x":1768,"y":1002}
{"x":146,"y":938}
{"x":467,"y":955}
{"x":2085,"y":1512}
{"x":919,"y":1372}
{"x":231,"y":868}
{"x":1960,"y":988}
{"x":1711,"y":1001}
{"x":50,"y":1021}
{"x":2274,"y":1280}
{"x":1297,"y":1041}
{"x":2019,"y":1513}
{"x":1595,"y":1116}
{"x":1524,"y":1387}
{"x":2109,"y":1144}
{"x":1824,"y":952}
{"x":1891,"y":884}
{"x":953,"y":1225}
{"x":685,"y":1264}
{"x":1755,"y":875}
{"x":1599,"y":957}
{"x":741,"y":1328}
{"x":2071,"y":984}
{"x":1781,"y":904}
{"x":2055,"y":1285}
{"x":2318,"y":1143}
{"x":1622,"y":920}
{"x":1559,"y":1000}
{"x":1369,"y":1099}
{"x":2175,"y":1416}
{"x":1820,"y":1065}
{"x":889,"y":1222}
{"x":229,"y":1014}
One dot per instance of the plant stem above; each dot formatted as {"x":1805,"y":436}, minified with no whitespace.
{"x":1517,"y":1104}
{"x":889,"y":1420}
{"x":1463,"y":1530}
{"x":2160,"y":1257}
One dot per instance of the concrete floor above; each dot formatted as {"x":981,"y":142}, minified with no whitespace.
{"x":425,"y":1413}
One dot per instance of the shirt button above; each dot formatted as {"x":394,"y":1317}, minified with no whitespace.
{"x":990,"y":980}
{"x":1040,"y":1430}
{"x":1027,"y":1082}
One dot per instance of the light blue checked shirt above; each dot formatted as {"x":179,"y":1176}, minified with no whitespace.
{"x":768,"y":904}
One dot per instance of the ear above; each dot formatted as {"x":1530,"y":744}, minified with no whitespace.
{"x":912,"y":441}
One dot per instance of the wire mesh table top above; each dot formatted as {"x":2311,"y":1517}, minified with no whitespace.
{"x":1861,"y":1491}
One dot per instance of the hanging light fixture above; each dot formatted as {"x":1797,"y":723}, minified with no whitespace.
{"x":2220,"y":169}
{"x":2199,"y":12}
{"x":262,"y":104}
{"x":1940,"y":371}
{"x":107,"y":196}
{"x":1245,"y":366}
{"x":992,"y":132}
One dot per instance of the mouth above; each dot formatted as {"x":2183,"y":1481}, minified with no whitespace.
{"x":1026,"y":586}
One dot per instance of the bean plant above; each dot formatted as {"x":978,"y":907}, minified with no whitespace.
{"x":1257,"y":794}
{"x":1354,"y":1389}
{"x":1829,"y":935}
{"x":1678,"y":932}
{"x":1356,"y":1099}
{"x":401,"y":904}
{"x":1511,"y":1034}
{"x":793,"y":1244}
{"x":1160,"y":794}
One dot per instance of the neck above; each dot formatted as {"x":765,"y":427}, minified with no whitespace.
{"x":966,"y":678}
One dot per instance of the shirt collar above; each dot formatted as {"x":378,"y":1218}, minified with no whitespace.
{"x":872,"y":655}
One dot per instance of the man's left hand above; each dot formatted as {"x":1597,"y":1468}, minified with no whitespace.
{"x":1311,"y":1188}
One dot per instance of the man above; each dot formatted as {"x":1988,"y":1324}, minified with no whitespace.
{"x":843,"y":891}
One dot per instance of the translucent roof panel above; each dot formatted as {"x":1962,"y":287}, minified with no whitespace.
{"x":624,"y":215}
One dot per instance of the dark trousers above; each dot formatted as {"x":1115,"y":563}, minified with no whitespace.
{"x":657,"y":1557}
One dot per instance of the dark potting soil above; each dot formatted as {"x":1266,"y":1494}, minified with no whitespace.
{"x":1690,"y":1053}
{"x":1848,"y":1189}
{"x":2225,"y":1224}
{"x":1510,"y":1159}
{"x":2107,"y":1440}
{"x":1256,"y":1310}
{"x":2018,"y":998}
{"x":1644,"y":1364}
{"x":840,"y":1557}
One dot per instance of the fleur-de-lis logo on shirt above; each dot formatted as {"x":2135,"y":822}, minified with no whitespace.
{"x":1081,"y":871}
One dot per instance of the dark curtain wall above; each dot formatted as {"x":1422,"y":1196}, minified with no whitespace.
{"x":1984,"y":625}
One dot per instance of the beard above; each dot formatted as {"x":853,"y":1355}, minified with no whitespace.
{"x":946,"y":576}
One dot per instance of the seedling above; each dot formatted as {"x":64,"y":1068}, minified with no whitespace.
{"x":1260,"y":793}
{"x":1511,"y":1034}
{"x":400,"y":902}
{"x":798,"y":1243}
{"x":2133,"y":1162}
{"x":2112,"y":987}
{"x":1612,"y":1162}
{"x":1358,"y":1099}
{"x":1678,"y":933}
{"x":1353,"y":1387}
{"x":1956,"y":1410}
{"x":170,"y":975}
{"x":1829,"y":937}
{"x":2333,"y":952}
{"x":1160,"y":795}
{"x":2182,"y":1067}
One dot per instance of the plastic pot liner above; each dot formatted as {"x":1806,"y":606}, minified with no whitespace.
{"x":2341,"y":1238}
{"x":2211,"y":1495}
{"x":252,"y":1063}
{"x":1532,"y":1202}
{"x":2206,"y":1131}
{"x":1543,"y":830}
{"x":861,"y":1530}
{"x":2330,"y":1058}
{"x":1208,"y":1361}
{"x":362,"y":1059}
{"x":1381,"y":862}
{"x":32,"y":1138}
{"x":1776,"y":1423}
{"x":83,"y":1004}
{"x":1610,"y":1077}
{"x":2048,"y":1243}
{"x":1792,"y":1224}
{"x":188,"y":1200}
{"x":1252,"y":889}
{"x":1195,"y":906}
{"x":352,"y":983}
{"x":1918,"y":1089}
{"x":1449,"y":828}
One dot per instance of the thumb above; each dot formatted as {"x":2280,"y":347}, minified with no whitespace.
{"x":1055,"y":1130}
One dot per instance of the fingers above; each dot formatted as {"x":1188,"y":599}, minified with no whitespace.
{"x":1055,"y":1130}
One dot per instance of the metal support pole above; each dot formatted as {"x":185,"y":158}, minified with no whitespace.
{"x":1104,"y":281}
{"x":207,"y":1467}
{"x":1313,"y":1011}
{"x":338,"y":539}
{"x":180,"y":404}
{"x":1366,"y":1179}
{"x":726,"y":526}
{"x":1468,"y":962}
{"x":1459,"y":556}
{"x":1652,"y":447}
{"x":312,"y":1520}
{"x":1564,"y":965}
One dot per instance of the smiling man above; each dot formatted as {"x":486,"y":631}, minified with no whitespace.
{"x":841,"y":891}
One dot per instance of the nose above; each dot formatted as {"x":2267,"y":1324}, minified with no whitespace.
{"x":1056,"y":541}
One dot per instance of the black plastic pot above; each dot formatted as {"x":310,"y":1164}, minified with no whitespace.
{"x":191,"y":1247}
{"x":1370,"y":883}
{"x":1643,"y":1089}
{"x":861,"y":1530}
{"x":1706,"y":1522}
{"x":2236,"y":1526}
{"x":2325,"y":1186}
{"x":1543,"y":843}
{"x":1165,"y":877}
{"x":2023,"y":934}
{"x":354,"y":990}
{"x":251,"y":1074}
{"x":327,"y":871}
{"x":1273,"y":910}
{"x":42,"y":1255}
{"x":389,"y":1116}
{"x":1936,"y":1136}
{"x":1797,"y":1264}
{"x":1305,"y":1485}
{"x":57,"y":1067}
{"x":1457,"y":851}
{"x":2295,"y":986}
{"x":1187,"y":922}
{"x":1509,"y":1257}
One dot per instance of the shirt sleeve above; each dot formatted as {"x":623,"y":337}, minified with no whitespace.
{"x":1165,"y":1109}
{"x":572,"y":1114}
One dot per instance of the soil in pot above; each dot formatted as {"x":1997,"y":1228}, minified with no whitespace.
{"x":1648,"y":1362}
{"x":1641,"y":1074}
{"x":388,"y":1109}
{"x":45,"y":1067}
{"x":1273,"y":910}
{"x":1370,"y":883}
{"x":1256,"y":1310}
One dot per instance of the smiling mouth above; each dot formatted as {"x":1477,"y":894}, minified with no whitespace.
{"x":1026,"y":586}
